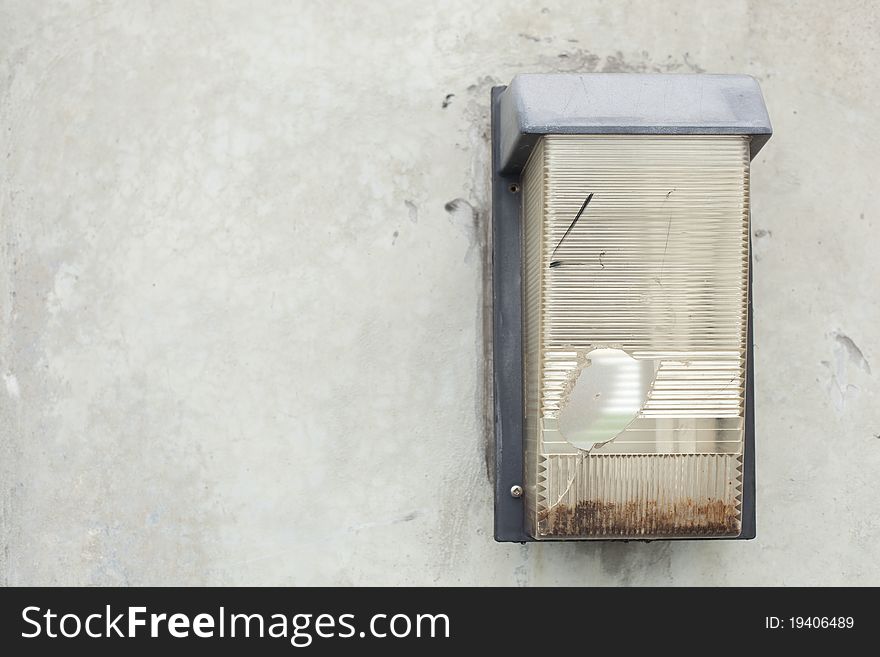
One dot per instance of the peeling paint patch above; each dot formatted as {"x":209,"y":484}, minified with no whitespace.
{"x":12,"y":387}
{"x":458,"y":205}
{"x":579,"y":60}
{"x":63,"y":296}
{"x":409,"y":517}
{"x":413,"y":211}
{"x":852,"y":350}
{"x":536,"y":39}
{"x":521,"y":576}
{"x":464,"y":214}
{"x":628,"y":562}
{"x":696,"y":68}
{"x":846,"y":354}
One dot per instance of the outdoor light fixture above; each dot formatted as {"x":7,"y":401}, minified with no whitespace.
{"x":622,"y":307}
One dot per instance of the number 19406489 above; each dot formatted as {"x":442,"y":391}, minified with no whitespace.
{"x":809,"y":622}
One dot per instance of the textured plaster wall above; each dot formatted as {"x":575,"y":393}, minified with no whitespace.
{"x":242,"y":303}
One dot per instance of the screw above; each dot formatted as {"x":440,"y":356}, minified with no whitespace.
{"x":516,"y":491}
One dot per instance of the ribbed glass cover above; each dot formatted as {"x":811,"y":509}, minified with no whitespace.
{"x":635,"y":299}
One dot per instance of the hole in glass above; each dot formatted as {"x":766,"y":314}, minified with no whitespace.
{"x":607,"y":393}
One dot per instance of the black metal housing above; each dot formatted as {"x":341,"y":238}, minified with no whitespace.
{"x":507,"y":337}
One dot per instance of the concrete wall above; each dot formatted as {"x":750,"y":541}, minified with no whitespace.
{"x":241,"y":282}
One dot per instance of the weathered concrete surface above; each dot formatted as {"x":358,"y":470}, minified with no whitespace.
{"x":242,"y":332}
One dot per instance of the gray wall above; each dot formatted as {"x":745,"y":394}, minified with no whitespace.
{"x":241,"y":280}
